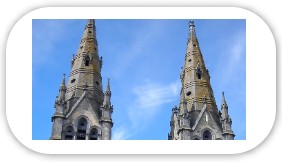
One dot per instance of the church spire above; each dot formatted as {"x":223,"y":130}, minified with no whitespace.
{"x":82,"y":110}
{"x":86,"y":66}
{"x":194,"y":76}
{"x":197,"y":116}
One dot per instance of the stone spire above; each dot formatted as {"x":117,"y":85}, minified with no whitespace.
{"x":86,"y":67}
{"x":195,"y":78}
{"x":226,"y":120}
{"x":107,"y":110}
{"x":223,"y":103}
{"x":107,"y":95}
{"x":62,"y":91}
{"x":197,"y":116}
{"x":59,"y":116}
{"x":82,"y":110}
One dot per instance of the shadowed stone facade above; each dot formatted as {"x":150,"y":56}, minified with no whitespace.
{"x":197,"y":116}
{"x":82,"y":110}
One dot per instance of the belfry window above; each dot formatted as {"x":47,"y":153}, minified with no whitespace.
{"x":69,"y":133}
{"x":81,"y":129}
{"x":207,"y":135}
{"x":87,"y":60}
{"x":93,"y":134}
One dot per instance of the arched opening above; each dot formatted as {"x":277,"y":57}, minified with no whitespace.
{"x":207,"y":135}
{"x":199,"y":73}
{"x":188,"y":93}
{"x":93,"y":134}
{"x":69,"y":132}
{"x":81,"y":129}
{"x":196,"y":138}
{"x":87,"y":60}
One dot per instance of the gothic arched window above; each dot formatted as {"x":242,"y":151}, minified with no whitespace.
{"x":69,"y":132}
{"x":93,"y":134}
{"x":207,"y":135}
{"x":81,"y":129}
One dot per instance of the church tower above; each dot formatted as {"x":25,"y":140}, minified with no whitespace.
{"x":82,"y":110}
{"x":197,"y":116}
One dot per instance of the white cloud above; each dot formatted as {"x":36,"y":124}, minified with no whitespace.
{"x":233,"y":64}
{"x":237,"y":51}
{"x":120,"y":133}
{"x":153,"y":95}
{"x":148,"y":100}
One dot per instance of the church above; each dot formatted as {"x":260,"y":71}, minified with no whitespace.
{"x":197,"y":116}
{"x":84,"y":112}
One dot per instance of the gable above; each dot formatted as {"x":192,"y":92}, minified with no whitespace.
{"x":83,"y":107}
{"x":205,"y":121}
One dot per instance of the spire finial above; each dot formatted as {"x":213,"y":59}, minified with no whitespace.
{"x":91,"y":22}
{"x":192,"y":29}
{"x":191,"y":24}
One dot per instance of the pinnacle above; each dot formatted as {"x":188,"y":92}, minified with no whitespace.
{"x":63,"y":81}
{"x":108,"y":85}
{"x":223,"y":99}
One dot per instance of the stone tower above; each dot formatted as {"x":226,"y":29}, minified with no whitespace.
{"x":197,"y":116}
{"x":82,"y":110}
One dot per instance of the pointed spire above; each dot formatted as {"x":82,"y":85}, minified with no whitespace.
{"x":62,"y":91}
{"x":108,"y":86}
{"x":64,"y":77}
{"x":224,"y":107}
{"x":223,"y":99}
{"x":107,"y":96}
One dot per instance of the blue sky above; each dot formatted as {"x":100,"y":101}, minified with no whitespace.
{"x":143,"y":60}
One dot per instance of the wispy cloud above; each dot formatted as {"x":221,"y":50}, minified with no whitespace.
{"x":153,"y":95}
{"x":121,"y":133}
{"x":235,"y":63}
{"x":148,"y":100}
{"x":237,"y":51}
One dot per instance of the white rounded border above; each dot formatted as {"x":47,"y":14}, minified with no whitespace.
{"x":260,"y":84}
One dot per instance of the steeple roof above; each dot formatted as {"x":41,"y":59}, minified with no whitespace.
{"x":86,"y":66}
